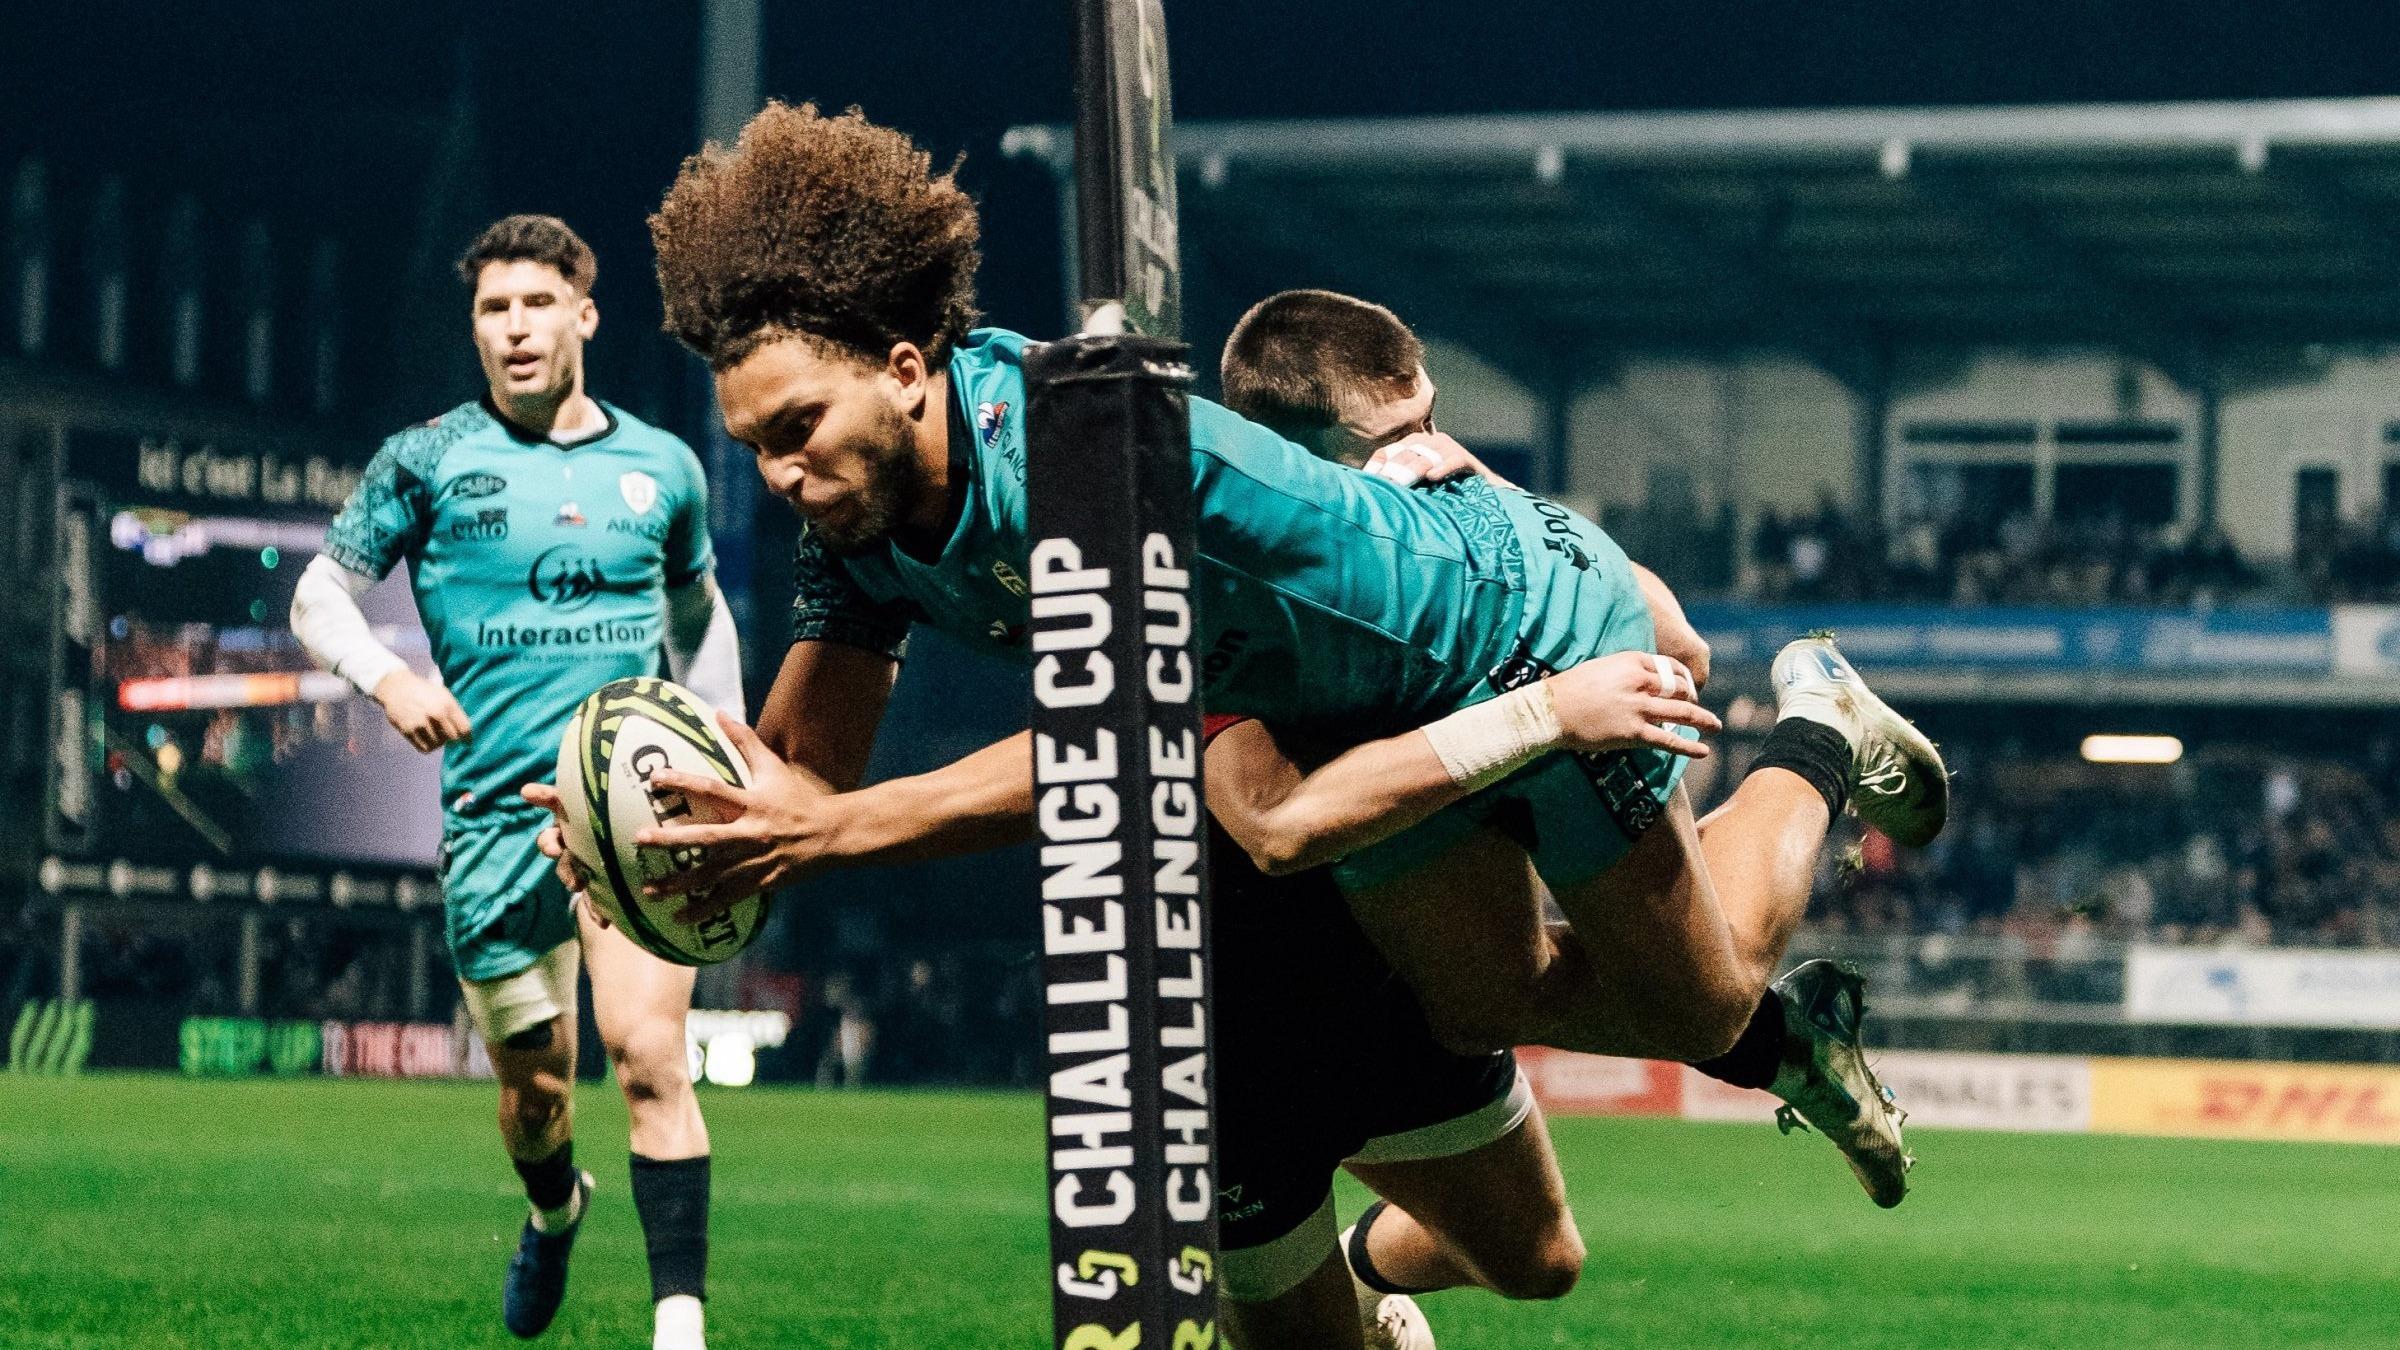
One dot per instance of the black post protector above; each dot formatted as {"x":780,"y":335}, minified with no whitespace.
{"x":1116,"y":721}
{"x":1125,"y":165}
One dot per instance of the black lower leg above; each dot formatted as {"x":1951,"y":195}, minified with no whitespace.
{"x":671,"y":1196}
{"x":550,"y":1182}
{"x":1814,"y":751}
{"x":1754,"y":1058}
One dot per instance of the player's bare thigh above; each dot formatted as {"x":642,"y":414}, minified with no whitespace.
{"x":1466,"y":931}
{"x":1652,"y":925}
{"x":1652,"y":971}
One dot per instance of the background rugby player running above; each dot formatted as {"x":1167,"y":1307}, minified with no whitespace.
{"x":554,"y":543}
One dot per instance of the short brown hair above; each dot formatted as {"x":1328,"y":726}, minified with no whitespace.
{"x":830,"y":228}
{"x":1299,"y":359}
{"x":540,"y":239}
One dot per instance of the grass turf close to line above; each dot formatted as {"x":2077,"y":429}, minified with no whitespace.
{"x":159,"y":1212}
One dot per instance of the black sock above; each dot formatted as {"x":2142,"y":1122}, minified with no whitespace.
{"x":1364,"y":1267}
{"x":550,"y":1182}
{"x":1753,"y":1060}
{"x":1814,"y":751}
{"x":672,"y":1199}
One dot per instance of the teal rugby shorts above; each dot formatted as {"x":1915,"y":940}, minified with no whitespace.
{"x":504,"y":907}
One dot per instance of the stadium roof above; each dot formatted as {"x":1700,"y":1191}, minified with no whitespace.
{"x":2167,"y":231}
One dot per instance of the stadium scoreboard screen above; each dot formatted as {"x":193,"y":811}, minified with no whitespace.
{"x":193,"y":727}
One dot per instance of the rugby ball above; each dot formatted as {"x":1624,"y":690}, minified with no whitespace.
{"x":619,"y":738}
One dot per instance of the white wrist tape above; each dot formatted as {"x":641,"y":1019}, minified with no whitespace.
{"x":1670,"y":676}
{"x":1488,"y":742}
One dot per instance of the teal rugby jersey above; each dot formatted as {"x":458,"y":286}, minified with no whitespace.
{"x":540,"y":571}
{"x":1324,"y":594}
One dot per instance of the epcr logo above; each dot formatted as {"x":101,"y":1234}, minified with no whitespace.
{"x":564,"y":579}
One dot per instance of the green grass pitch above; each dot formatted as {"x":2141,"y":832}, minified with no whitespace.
{"x":160,"y":1212}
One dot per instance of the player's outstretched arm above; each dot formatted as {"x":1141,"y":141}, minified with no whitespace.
{"x":814,"y":735}
{"x":1289,"y":819}
{"x":788,"y":831}
{"x":824,"y":708}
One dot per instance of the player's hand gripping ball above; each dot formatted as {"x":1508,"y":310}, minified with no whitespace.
{"x":621,"y":737}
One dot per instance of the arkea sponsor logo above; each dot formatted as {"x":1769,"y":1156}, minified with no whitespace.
{"x":606,"y":633}
{"x":653,"y":528}
{"x":468,"y":486}
{"x":484,"y":527}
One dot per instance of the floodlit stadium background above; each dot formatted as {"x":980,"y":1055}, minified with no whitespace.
{"x":2051,"y":358}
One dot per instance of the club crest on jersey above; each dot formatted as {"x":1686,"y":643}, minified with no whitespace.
{"x":569,"y":514}
{"x":639,"y":489}
{"x":989,"y":418}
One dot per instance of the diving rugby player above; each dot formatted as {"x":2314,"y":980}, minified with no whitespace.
{"x":827,"y":277}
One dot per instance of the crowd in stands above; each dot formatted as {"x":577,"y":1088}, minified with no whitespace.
{"x":309,"y":969}
{"x":1829,"y":553}
{"x":2352,"y":560}
{"x":2237,"y":847}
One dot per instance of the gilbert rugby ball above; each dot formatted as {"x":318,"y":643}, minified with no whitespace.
{"x":623,"y":734}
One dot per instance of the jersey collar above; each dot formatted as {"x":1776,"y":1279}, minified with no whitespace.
{"x":521,"y":436}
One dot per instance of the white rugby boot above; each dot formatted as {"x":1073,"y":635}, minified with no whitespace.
{"x":1388,"y":1321}
{"x":1826,"y":1082}
{"x":1898,"y":783}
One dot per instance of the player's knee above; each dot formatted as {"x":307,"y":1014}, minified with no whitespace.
{"x":1548,"y":1271}
{"x":650,"y":1065}
{"x":529,"y":1111}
